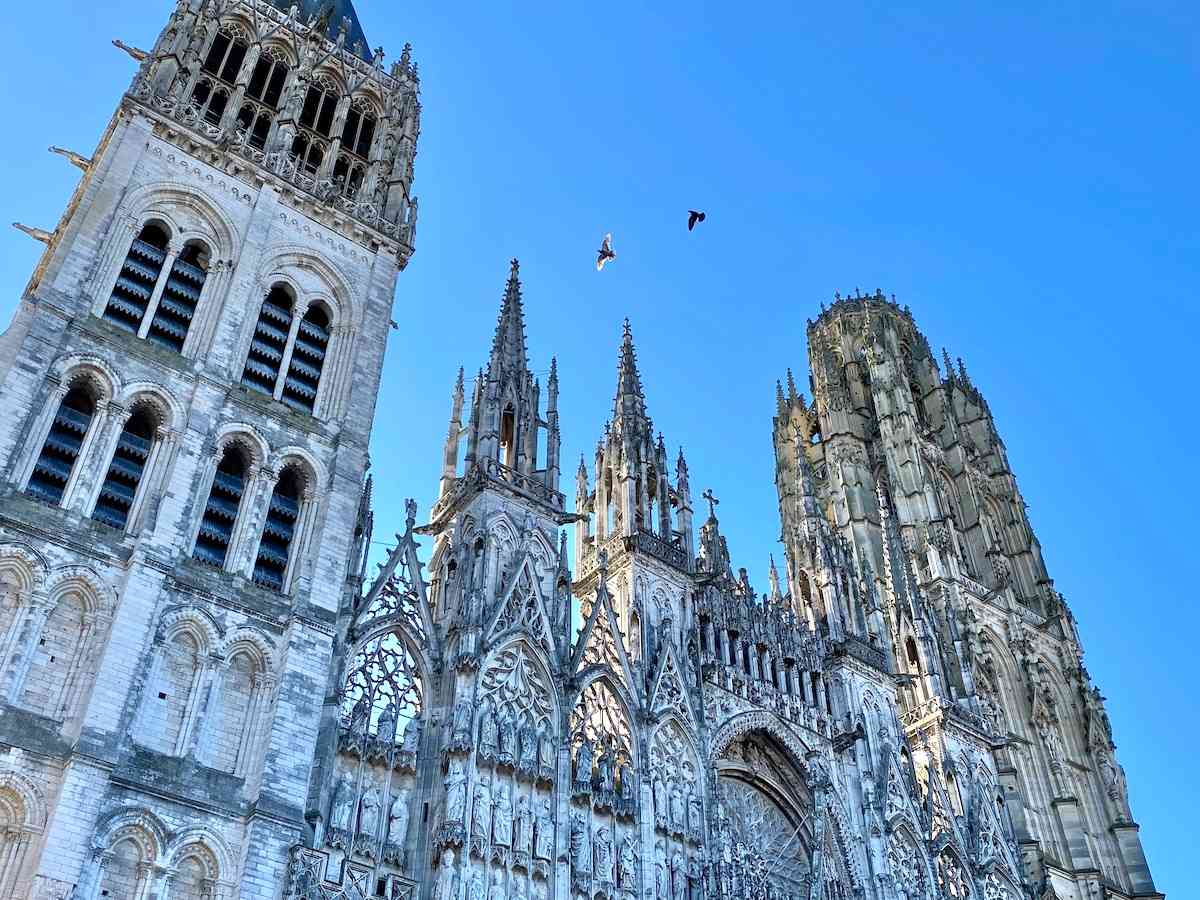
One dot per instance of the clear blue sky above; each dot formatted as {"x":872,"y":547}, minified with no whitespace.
{"x":1025,"y":179}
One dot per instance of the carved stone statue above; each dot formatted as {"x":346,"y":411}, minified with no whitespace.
{"x":478,"y":887}
{"x":523,"y":831}
{"x":543,"y":846}
{"x":627,"y":868}
{"x":461,"y":730}
{"x":529,"y":748}
{"x":604,"y":855}
{"x":508,"y":740}
{"x":678,"y":877}
{"x":481,"y":817}
{"x":661,"y":883}
{"x":695,"y":814}
{"x":341,"y":814}
{"x":627,"y":785}
{"x":502,"y":820}
{"x":660,"y":798}
{"x":412,"y":736}
{"x":678,"y":814}
{"x":456,"y":792}
{"x":496,"y":892}
{"x":489,"y":743}
{"x":546,"y":752}
{"x":386,"y":727}
{"x":443,"y":888}
{"x":398,"y":817}
{"x":369,"y":822}
{"x":581,"y":844}
{"x":360,"y":715}
{"x":538,"y":892}
{"x":583,"y":763}
{"x":604,"y":769}
{"x":518,"y":890}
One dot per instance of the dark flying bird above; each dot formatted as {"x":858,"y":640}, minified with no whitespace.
{"x":693,"y":218}
{"x":605,"y":253}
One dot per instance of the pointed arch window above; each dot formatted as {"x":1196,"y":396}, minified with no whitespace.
{"x":279,"y":530}
{"x":178,"y":297}
{"x":221,"y":510}
{"x":287,"y":352}
{"x":320,"y":107}
{"x":308,"y":349}
{"x":225,"y":56}
{"x":120,"y":485}
{"x":138,"y":278}
{"x":60,"y":452}
{"x":262,"y":97}
{"x":271,"y":336}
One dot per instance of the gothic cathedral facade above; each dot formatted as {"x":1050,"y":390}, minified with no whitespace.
{"x":203,"y":696}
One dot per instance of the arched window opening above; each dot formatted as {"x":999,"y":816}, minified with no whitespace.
{"x":320,"y":105}
{"x":508,"y":436}
{"x":210,"y":100}
{"x":190,"y":881}
{"x":383,"y":691}
{"x":125,"y":471}
{"x":54,"y":657}
{"x":307,"y":360}
{"x":177,"y":305}
{"x":270,"y":341}
{"x":275,"y":546}
{"x":60,"y":452}
{"x":267,"y":81}
{"x":225,"y":57}
{"x":121,"y":871}
{"x":139,"y":274}
{"x":235,"y":703}
{"x":220,"y":513}
{"x":359,"y":131}
{"x":309,"y":153}
{"x":169,"y":701}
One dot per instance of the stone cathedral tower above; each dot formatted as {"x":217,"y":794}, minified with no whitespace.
{"x":202,"y":696}
{"x":188,"y":391}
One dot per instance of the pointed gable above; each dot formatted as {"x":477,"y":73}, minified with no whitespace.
{"x":600,"y":643}
{"x":668,"y":691}
{"x":522,"y":609}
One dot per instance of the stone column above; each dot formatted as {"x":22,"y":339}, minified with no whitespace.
{"x":173,"y":250}
{"x":298,"y":312}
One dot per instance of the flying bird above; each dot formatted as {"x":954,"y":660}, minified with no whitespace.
{"x":694,"y":217}
{"x":605,"y":253}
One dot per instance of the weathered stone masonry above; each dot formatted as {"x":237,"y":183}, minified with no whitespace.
{"x":202,"y":695}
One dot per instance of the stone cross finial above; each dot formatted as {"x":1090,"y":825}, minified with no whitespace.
{"x":713,"y":502}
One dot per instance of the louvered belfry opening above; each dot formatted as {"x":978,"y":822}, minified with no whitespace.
{"x":308,"y":358}
{"x":220,"y":513}
{"x":125,"y":471}
{"x":139,"y":274}
{"x":60,"y":452}
{"x":177,"y":305}
{"x":270,"y":341}
{"x":271,"y":565}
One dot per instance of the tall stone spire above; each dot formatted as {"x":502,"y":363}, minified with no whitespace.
{"x":629,"y":402}
{"x":508,"y":344}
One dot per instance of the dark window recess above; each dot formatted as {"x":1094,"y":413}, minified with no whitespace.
{"x":266,"y":83}
{"x":139,"y":274}
{"x":270,"y":339}
{"x":278,"y":531}
{"x":57,"y":459}
{"x":216,"y":526}
{"x":125,"y":472}
{"x":308,"y":356}
{"x":177,"y":306}
{"x":256,"y":124}
{"x":225,"y":58}
{"x":358,"y":133}
{"x":317,"y":112}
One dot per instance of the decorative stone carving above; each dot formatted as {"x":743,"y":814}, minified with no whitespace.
{"x":481,"y":817}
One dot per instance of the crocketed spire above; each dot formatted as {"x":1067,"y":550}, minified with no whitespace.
{"x":629,"y":402}
{"x":508,"y":345}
